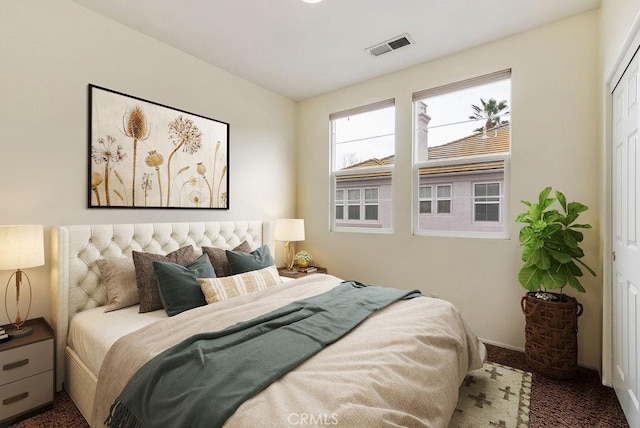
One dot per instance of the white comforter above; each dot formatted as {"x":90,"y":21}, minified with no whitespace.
{"x":401,"y":367}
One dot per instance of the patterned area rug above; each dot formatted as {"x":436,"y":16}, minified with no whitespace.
{"x":494,"y":396}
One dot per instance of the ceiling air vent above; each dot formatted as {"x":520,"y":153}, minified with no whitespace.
{"x":390,"y":45}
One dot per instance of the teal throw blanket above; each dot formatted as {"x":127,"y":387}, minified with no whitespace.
{"x":201,"y":381}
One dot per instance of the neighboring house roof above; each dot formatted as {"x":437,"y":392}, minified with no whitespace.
{"x":495,"y":141}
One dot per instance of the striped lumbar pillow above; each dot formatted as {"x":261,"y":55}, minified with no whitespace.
{"x":218,"y":289}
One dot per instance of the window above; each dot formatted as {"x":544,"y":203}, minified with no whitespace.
{"x":444,"y":199}
{"x":486,"y":201}
{"x":362,"y":152}
{"x":462,"y":146}
{"x":425,"y":199}
{"x":340,"y":204}
{"x":354,"y":204}
{"x":371,"y":204}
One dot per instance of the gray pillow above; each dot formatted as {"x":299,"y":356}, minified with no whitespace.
{"x":179,"y":288}
{"x":147,"y":286}
{"x":119,"y":276}
{"x":259,"y":258}
{"x":218,"y":258}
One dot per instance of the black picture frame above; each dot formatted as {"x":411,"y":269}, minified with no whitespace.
{"x":143,"y":154}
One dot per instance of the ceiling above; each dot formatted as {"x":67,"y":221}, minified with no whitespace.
{"x":300,"y":50}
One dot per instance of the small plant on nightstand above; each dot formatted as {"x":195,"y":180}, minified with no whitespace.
{"x":303,"y":258}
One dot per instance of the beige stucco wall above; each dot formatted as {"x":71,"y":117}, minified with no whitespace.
{"x":556,"y":133}
{"x":49,"y":52}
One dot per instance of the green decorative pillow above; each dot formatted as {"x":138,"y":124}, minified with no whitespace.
{"x":218,"y":258}
{"x":145,"y":277}
{"x":179,"y":289}
{"x":259,"y":258}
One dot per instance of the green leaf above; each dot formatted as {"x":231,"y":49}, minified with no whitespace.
{"x":544,"y":261}
{"x":539,"y":225}
{"x":560,"y":257}
{"x":570,"y":240}
{"x":576,"y":208}
{"x":552,"y":280}
{"x":578,"y":236}
{"x":526,"y":233}
{"x":575,"y":270}
{"x":523,"y":218}
{"x":562,"y":200}
{"x":544,"y":195}
{"x":527,"y":203}
{"x":586,"y":267}
{"x":573,"y":282}
{"x":547,"y":203}
{"x":535,"y":213}
{"x":551,"y":216}
{"x":530,"y":278}
{"x":570,"y":218}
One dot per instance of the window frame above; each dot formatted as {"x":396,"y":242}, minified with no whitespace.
{"x":339,"y":203}
{"x":363,"y":226}
{"x":444,"y":199}
{"x":475,"y":202}
{"x":504,"y":157}
{"x":423,"y":199}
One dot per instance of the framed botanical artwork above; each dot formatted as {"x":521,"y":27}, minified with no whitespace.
{"x":147,"y":155}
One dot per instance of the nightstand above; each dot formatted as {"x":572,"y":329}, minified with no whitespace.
{"x":283,"y":272}
{"x":27,"y":373}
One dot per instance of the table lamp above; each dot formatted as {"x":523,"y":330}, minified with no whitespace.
{"x":289,"y":230}
{"x":20,"y":247}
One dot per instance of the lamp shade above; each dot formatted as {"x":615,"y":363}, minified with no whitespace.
{"x":289,"y":229}
{"x":21,"y":247}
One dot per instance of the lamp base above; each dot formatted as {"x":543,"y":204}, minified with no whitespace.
{"x":20,"y":332}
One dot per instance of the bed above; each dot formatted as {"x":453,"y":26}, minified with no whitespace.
{"x":402,"y":366}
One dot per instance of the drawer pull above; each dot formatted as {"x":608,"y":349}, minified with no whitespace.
{"x":15,"y":365}
{"x":15,"y":398}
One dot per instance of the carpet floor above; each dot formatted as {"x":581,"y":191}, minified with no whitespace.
{"x":576,"y":403}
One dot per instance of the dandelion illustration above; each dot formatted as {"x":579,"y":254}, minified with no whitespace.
{"x":223,"y":199}
{"x":96,"y":180}
{"x":196,"y":197}
{"x":154,"y":160}
{"x":186,"y":135}
{"x":224,"y":171}
{"x":135,"y":126}
{"x":202,"y":170}
{"x":146,"y":185}
{"x":105,"y":155}
{"x":192,"y":181}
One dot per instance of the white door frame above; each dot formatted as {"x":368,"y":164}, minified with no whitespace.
{"x":629,"y":48}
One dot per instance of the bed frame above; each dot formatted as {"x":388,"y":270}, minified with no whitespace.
{"x":76,"y":285}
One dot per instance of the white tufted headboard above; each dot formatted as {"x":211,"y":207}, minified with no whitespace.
{"x":75,"y":281}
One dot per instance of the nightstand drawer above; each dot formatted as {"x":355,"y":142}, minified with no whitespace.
{"x":26,"y":394}
{"x":25,"y":361}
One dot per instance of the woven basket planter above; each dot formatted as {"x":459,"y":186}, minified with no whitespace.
{"x":551,"y":331}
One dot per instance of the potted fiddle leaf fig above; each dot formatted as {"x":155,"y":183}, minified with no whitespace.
{"x":550,"y":241}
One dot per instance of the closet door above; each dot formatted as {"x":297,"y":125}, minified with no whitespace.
{"x":625,"y":155}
